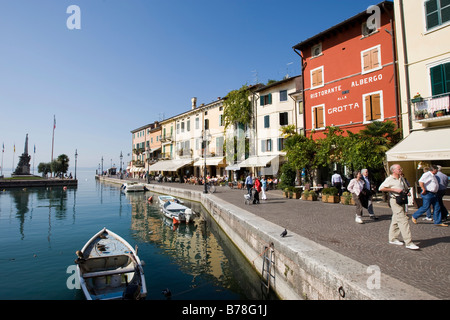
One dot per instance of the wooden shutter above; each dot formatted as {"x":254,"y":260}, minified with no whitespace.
{"x":376,"y":106}
{"x":263,"y":145}
{"x":261,"y":100}
{"x":317,"y":78}
{"x":318,"y":117}
{"x":366,"y":61}
{"x":375,"y":63}
{"x":367,"y":109}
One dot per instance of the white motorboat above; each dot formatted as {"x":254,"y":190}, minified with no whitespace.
{"x":109,"y":268}
{"x":133,"y":187}
{"x":177,"y":212}
{"x":163,"y":199}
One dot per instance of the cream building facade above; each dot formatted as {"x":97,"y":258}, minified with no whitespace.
{"x":422,"y":30}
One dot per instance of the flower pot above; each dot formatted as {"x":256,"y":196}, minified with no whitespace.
{"x":347,"y":201}
{"x":330,"y":198}
{"x":415,"y":100}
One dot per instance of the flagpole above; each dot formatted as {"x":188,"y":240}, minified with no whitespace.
{"x":14,"y":154}
{"x":34,"y":156}
{"x":3,"y":151}
{"x":53,"y":136}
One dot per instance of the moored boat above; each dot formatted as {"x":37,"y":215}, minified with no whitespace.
{"x":177,"y":212}
{"x":133,"y":187}
{"x":164,"y":198}
{"x":109,"y":268}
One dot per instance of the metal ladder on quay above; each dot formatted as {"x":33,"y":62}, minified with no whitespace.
{"x":268,"y":267}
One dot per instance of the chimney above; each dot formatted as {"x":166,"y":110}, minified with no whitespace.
{"x":194,"y":103}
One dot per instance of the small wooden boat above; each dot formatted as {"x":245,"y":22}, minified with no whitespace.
{"x":133,"y":187}
{"x":163,"y":199}
{"x":177,"y":212}
{"x":109,"y":268}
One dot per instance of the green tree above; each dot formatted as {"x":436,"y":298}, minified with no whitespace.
{"x":301,"y":153}
{"x":44,"y":168}
{"x":237,"y":108}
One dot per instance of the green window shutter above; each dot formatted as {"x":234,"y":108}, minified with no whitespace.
{"x":270,"y":98}
{"x":446,"y":68}
{"x":263,"y":145}
{"x":437,"y":80}
{"x":266,"y":121}
{"x":261,"y":100}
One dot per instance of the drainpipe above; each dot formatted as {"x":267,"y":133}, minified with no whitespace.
{"x":303,"y":90}
{"x":405,"y":54}
{"x":398,"y":113}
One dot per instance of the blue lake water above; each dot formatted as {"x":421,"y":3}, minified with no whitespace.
{"x":40,"y":230}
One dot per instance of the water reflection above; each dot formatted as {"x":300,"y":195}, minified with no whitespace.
{"x":200,"y":249}
{"x":55,"y":199}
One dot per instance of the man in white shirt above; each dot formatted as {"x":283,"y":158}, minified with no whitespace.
{"x":394,"y":184}
{"x":430,"y":187}
{"x":336,"y":181}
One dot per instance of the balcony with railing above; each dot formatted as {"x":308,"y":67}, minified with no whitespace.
{"x":166,"y":138}
{"x":431,"y":109}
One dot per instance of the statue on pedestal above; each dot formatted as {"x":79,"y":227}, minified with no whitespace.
{"x":23,"y":167}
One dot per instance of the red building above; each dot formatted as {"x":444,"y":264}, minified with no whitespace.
{"x":349,"y":73}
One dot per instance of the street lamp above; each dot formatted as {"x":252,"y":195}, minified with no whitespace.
{"x":76,"y":155}
{"x":206,"y":137}
{"x":102,"y":165}
{"x":121,"y":157}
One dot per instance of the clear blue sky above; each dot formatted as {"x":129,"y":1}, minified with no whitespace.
{"x":137,"y":61}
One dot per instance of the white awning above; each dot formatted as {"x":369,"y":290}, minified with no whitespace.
{"x":233,"y":167}
{"x":214,"y":161}
{"x":169,"y":165}
{"x":256,"y":161}
{"x":428,"y":144}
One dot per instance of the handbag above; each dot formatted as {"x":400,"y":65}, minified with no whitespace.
{"x":402,"y":199}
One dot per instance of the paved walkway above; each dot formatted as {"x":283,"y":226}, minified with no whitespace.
{"x":334,"y":226}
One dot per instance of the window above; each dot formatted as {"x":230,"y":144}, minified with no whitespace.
{"x":280,"y":144}
{"x":318,"y":115}
{"x":267,"y":121}
{"x":317,"y":78}
{"x":371,"y":59}
{"x":283,"y":95}
{"x":372,"y":106}
{"x":283,"y":118}
{"x":221,"y":121}
{"x":316,"y":50}
{"x":206,"y":124}
{"x":178,"y":128}
{"x":188,"y":125}
{"x":182,"y":127}
{"x":266,"y":145}
{"x":197,"y":123}
{"x":440,"y":79}
{"x":265,"y":100}
{"x":219,"y":146}
{"x":437,"y":12}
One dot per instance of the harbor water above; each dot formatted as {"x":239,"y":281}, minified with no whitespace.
{"x":41,"y":229}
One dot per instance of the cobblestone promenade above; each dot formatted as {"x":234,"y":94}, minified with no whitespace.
{"x":333,"y":226}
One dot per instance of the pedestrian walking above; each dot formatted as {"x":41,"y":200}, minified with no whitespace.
{"x":263,"y":188}
{"x":257,"y":190}
{"x":368,"y":191}
{"x":443,"y":184}
{"x":356,"y":186}
{"x":394,"y":184}
{"x":430,"y":187}
{"x":249,"y":183}
{"x":336,"y":181}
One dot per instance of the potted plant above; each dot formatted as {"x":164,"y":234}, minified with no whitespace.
{"x":309,"y":195}
{"x":347,"y":199}
{"x":296,"y":193}
{"x":420,"y":114}
{"x":286,"y":192}
{"x":440,"y":113}
{"x":417,"y":98}
{"x":330,"y":195}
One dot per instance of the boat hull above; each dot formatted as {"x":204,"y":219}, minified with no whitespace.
{"x":109,"y":268}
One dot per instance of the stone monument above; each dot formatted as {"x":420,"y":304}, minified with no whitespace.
{"x":23,"y":167}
